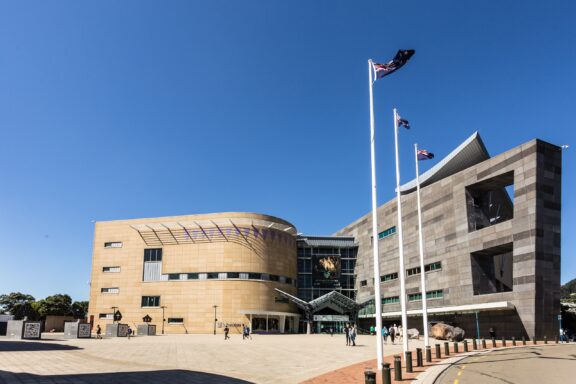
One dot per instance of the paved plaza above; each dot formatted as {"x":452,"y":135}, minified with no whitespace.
{"x":181,"y":359}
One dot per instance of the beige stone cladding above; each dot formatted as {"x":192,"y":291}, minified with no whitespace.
{"x":205,"y":262}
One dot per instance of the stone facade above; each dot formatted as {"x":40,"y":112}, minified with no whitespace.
{"x":527,"y":245}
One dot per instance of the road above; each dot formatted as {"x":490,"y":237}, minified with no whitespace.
{"x":554,"y":363}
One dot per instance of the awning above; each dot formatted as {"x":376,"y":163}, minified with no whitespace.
{"x":460,"y":309}
{"x":268,"y":313}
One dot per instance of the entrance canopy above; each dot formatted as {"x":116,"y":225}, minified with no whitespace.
{"x":334,"y":300}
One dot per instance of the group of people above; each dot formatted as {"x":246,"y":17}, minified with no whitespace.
{"x":245,"y":332}
{"x":351,"y":331}
{"x":394,"y":331}
{"x":129,"y":332}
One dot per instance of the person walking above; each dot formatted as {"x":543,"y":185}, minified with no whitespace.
{"x":392,"y":331}
{"x":353,"y":332}
{"x":226,"y":330}
{"x":385,"y":334}
{"x":243,"y":332}
{"x":129,"y":333}
{"x":347,"y":332}
{"x":98,"y":332}
{"x":492,"y":332}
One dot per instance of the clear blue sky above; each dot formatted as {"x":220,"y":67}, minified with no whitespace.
{"x":114,"y":110}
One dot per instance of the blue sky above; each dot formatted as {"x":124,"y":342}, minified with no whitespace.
{"x":113,"y":110}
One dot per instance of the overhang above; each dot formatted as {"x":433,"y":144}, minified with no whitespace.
{"x":460,"y":309}
{"x":471,"y":152}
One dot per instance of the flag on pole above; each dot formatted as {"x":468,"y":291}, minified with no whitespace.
{"x":425,"y":155}
{"x":401,"y":58}
{"x":403,"y":122}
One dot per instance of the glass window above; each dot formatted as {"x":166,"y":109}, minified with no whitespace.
{"x":415,"y":297}
{"x":110,"y":290}
{"x":212,"y":275}
{"x":288,"y":280}
{"x":150,"y":301}
{"x":433,"y":266}
{"x":389,"y":277}
{"x":363,"y":283}
{"x":413,"y":271}
{"x":173,"y":276}
{"x":387,"y":232}
{"x":175,"y":320}
{"x":274,"y":278}
{"x":202,"y":276}
{"x":192,"y":276}
{"x":110,"y":269}
{"x":153,"y":254}
{"x":244,"y":275}
{"x":106,"y":316}
{"x":391,"y":300}
{"x":255,"y":276}
{"x":114,"y":244}
{"x":233,"y":275}
{"x":437,"y":294}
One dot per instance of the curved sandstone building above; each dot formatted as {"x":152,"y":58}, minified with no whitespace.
{"x":189,"y":270}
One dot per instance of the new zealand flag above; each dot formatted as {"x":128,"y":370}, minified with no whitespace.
{"x":396,"y":63}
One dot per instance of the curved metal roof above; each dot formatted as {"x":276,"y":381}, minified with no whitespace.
{"x":471,"y":152}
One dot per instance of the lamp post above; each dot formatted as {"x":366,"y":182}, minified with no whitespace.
{"x":163,"y":319}
{"x":215,"y":319}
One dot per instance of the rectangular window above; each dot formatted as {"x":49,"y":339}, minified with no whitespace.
{"x":413,"y":271}
{"x":415,"y":297}
{"x":202,"y":276}
{"x":437,"y":294}
{"x":110,"y":269}
{"x":153,"y":254}
{"x":244,"y":275}
{"x":433,"y":266}
{"x":113,"y":244}
{"x":288,"y":280}
{"x":388,"y":277}
{"x":274,"y":277}
{"x":175,"y":320}
{"x":192,"y":276}
{"x":390,"y":300}
{"x":106,"y":316}
{"x":387,"y":232}
{"x":110,"y":290}
{"x":363,"y":283}
{"x":255,"y":276}
{"x":173,"y":276}
{"x":233,"y":275}
{"x":150,"y":301}
{"x":212,"y":275}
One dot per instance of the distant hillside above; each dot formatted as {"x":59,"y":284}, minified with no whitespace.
{"x":568,"y":288}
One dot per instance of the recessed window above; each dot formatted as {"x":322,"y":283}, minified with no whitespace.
{"x":363,"y":283}
{"x":110,"y":290}
{"x":113,"y":244}
{"x":153,"y":254}
{"x":192,"y":276}
{"x":288,"y":280}
{"x":490,"y":201}
{"x":106,"y":316}
{"x":390,"y":300}
{"x":255,"y":276}
{"x":413,"y":271}
{"x":389,"y":277}
{"x":492,"y":269}
{"x":175,"y":320}
{"x":387,"y":232}
{"x":173,"y":276}
{"x":244,"y":275}
{"x":150,"y":301}
{"x":433,"y":266}
{"x":233,"y":275}
{"x":110,"y":269}
{"x":274,"y":278}
{"x":437,"y":294}
{"x":212,"y":275}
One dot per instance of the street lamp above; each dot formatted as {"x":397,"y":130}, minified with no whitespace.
{"x":215,"y":319}
{"x":163,"y":319}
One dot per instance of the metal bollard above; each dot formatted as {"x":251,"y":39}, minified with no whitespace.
{"x":513,"y":341}
{"x":438,"y":356}
{"x":465,"y":342}
{"x":523,"y":340}
{"x":545,"y":339}
{"x":455,"y":347}
{"x":419,"y":362}
{"x":474,"y":344}
{"x":483,"y":343}
{"x":446,"y":348}
{"x":493,"y":343}
{"x":428,"y":354}
{"x":408,"y":358}
{"x":386,"y":378}
{"x":369,"y":377}
{"x":397,"y":368}
{"x":503,"y":342}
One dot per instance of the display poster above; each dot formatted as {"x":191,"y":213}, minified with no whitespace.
{"x":326,"y":271}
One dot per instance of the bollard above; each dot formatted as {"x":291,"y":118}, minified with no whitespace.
{"x":493,"y":343}
{"x":523,"y":340}
{"x":455,"y":347}
{"x":408,"y":360}
{"x":438,"y":356}
{"x":503,"y":342}
{"x":386,"y":378}
{"x":465,"y":342}
{"x":428,"y":354}
{"x":474,"y":344}
{"x":369,"y":377}
{"x":483,"y":343}
{"x":446,"y":348}
{"x":419,"y":362}
{"x":513,"y":341}
{"x":534,"y":341}
{"x":545,"y":339}
{"x":397,"y":368}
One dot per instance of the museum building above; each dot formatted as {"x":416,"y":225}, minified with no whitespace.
{"x":491,"y":229}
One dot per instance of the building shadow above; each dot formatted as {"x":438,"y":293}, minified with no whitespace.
{"x":176,"y":376}
{"x":31,"y":346}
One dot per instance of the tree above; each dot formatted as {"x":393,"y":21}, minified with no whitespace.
{"x":19,"y":304}
{"x":80,"y":309}
{"x":60,"y":305}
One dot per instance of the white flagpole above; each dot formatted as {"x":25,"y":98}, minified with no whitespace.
{"x":377,"y":296}
{"x":402,"y":272}
{"x":421,"y":241}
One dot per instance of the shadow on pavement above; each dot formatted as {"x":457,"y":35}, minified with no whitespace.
{"x":30,"y":346}
{"x":147,"y":377}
